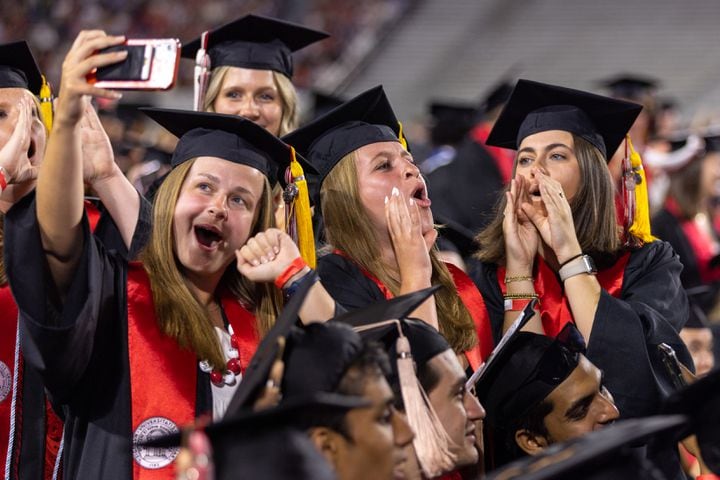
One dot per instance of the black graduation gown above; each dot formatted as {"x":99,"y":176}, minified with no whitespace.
{"x":467,"y":189}
{"x":666,"y":226}
{"x":651,"y":309}
{"x":80,"y":350}
{"x":346,"y":283}
{"x":29,"y":438}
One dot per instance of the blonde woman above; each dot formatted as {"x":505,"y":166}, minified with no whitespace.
{"x":131,"y":350}
{"x":378,"y":222}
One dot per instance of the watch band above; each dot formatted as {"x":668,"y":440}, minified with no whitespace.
{"x":583,"y":264}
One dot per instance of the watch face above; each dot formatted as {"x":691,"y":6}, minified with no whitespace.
{"x":589,"y":263}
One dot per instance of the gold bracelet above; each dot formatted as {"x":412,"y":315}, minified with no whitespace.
{"x":518,"y":278}
{"x":510,"y":296}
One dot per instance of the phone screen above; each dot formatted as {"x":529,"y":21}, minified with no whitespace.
{"x":135,"y":67}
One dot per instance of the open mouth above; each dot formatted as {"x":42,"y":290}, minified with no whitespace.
{"x":208,"y":236}
{"x":421,"y":197}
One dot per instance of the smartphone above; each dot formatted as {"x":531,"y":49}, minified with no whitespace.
{"x":151,"y":64}
{"x":672,"y":365}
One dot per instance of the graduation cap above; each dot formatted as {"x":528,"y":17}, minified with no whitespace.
{"x":700,"y":401}
{"x":368,"y":118}
{"x":602,"y":454}
{"x":255,"y":42}
{"x":407,"y":341}
{"x":630,"y":86}
{"x":317,"y":357}
{"x":267,"y":444}
{"x":536,"y":107}
{"x":497,"y":96}
{"x":450,"y":121}
{"x":525,"y":372}
{"x":18,"y":68}
{"x":229,"y":137}
{"x":712,"y":142}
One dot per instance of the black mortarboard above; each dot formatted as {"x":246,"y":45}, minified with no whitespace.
{"x":269,"y":444}
{"x":256,"y":42}
{"x":230,"y":137}
{"x":450,"y":121}
{"x":525,"y":371}
{"x":18,"y":68}
{"x":602,"y":454}
{"x":317,"y":356}
{"x":630,"y":86}
{"x":375,"y":323}
{"x":700,"y":401}
{"x":536,"y":107}
{"x":497,"y":96}
{"x":261,"y":363}
{"x":365,"y":119}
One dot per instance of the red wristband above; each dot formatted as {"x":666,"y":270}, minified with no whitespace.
{"x":296,"y":266}
{"x":3,"y":180}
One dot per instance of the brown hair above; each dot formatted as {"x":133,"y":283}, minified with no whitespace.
{"x":286,"y":90}
{"x":685,"y":189}
{"x":348,"y":228}
{"x":593,"y":209}
{"x":179,"y":314}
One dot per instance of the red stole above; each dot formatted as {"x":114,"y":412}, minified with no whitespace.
{"x":470,"y":297}
{"x":701,"y":243}
{"x":163,"y":376}
{"x":554,"y":308}
{"x":8,"y":375}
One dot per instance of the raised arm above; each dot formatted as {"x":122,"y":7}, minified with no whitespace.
{"x":60,"y":184}
{"x":105,"y":178}
{"x":267,"y":255}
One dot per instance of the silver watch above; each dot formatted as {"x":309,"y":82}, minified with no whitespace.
{"x":582,"y":264}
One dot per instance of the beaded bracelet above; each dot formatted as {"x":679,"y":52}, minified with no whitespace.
{"x":294,"y":268}
{"x":511,"y":296}
{"x":518,"y":278}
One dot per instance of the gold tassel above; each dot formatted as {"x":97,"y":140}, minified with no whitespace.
{"x":401,"y":137}
{"x":46,"y":104}
{"x":302,"y":213}
{"x":640,"y":226}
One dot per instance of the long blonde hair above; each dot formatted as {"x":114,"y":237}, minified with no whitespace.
{"x":593,"y":210}
{"x":286,"y":90}
{"x":179,"y":313}
{"x":348,"y":228}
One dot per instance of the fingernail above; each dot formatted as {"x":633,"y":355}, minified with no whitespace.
{"x":263,"y":260}
{"x":412,"y":201}
{"x":395,"y":192}
{"x":255,"y":263}
{"x":276,"y":250}
{"x":117,"y":95}
{"x":386,"y":199}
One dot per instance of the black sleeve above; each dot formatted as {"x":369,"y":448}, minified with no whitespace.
{"x":627,"y":330}
{"x":485,"y":278}
{"x":57,"y":340}
{"x":109,"y":234}
{"x":346,"y":283}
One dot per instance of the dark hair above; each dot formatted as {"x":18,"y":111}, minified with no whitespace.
{"x":371,"y":362}
{"x":593,"y":209}
{"x":533,"y":422}
{"x":685,"y":187}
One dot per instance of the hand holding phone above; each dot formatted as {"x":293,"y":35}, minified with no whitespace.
{"x":151,"y":64}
